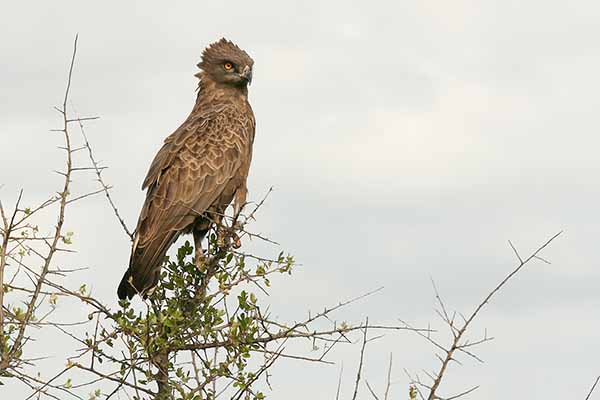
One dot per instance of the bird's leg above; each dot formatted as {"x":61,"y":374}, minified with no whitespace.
{"x":238,"y":204}
{"x":200,"y":259}
{"x":237,"y":243}
{"x":222,"y":236}
{"x":223,"y":233}
{"x":226,"y":234}
{"x":233,"y":237}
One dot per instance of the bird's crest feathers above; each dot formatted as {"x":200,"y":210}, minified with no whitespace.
{"x":221,"y":51}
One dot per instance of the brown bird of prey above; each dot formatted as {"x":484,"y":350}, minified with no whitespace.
{"x":199,"y":170}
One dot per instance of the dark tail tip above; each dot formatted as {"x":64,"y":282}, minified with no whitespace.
{"x":125,"y":290}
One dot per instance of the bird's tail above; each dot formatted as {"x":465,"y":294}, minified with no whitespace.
{"x":145,"y":265}
{"x":126,"y":290}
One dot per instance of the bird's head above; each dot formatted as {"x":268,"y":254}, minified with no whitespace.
{"x":225,"y":63}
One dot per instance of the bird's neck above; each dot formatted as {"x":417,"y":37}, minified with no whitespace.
{"x":214,"y":92}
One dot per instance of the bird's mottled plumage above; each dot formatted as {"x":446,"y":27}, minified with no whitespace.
{"x":200,"y":168}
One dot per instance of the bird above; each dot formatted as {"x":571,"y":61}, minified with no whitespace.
{"x":201,"y":168}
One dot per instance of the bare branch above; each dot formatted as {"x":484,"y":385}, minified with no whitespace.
{"x":360,"y":364}
{"x":458,"y":333}
{"x":105,"y":187}
{"x":593,"y":388}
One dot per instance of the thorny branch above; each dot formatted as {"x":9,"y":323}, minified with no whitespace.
{"x":105,"y":188}
{"x":592,"y":388}
{"x":458,"y":330}
{"x":35,"y":285}
{"x":16,"y":348}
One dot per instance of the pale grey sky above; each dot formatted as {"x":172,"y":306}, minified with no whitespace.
{"x":405,"y":140}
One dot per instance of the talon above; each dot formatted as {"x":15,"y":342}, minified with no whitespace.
{"x":222,"y":238}
{"x":200,"y":261}
{"x":237,"y":242}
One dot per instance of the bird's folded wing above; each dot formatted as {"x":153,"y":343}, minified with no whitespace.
{"x":198,"y":172}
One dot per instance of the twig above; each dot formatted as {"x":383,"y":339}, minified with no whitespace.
{"x":371,"y":390}
{"x":17,"y":343}
{"x":592,"y":389}
{"x":339,"y":385}
{"x":458,"y":333}
{"x":389,"y":380}
{"x":105,"y":187}
{"x":360,"y":364}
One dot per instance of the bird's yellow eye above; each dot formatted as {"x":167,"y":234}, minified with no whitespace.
{"x":228,"y":66}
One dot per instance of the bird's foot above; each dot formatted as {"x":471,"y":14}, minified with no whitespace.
{"x":227,"y":237}
{"x":237,"y":242}
{"x":200,"y":260}
{"x":223,"y":238}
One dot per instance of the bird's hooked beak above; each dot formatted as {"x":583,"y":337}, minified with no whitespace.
{"x":247,"y":74}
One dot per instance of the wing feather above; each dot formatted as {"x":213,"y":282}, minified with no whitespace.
{"x":187,"y":176}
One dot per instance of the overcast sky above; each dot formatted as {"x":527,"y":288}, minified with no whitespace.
{"x":405,"y":140}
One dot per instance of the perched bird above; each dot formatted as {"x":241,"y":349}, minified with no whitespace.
{"x":200,"y":168}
